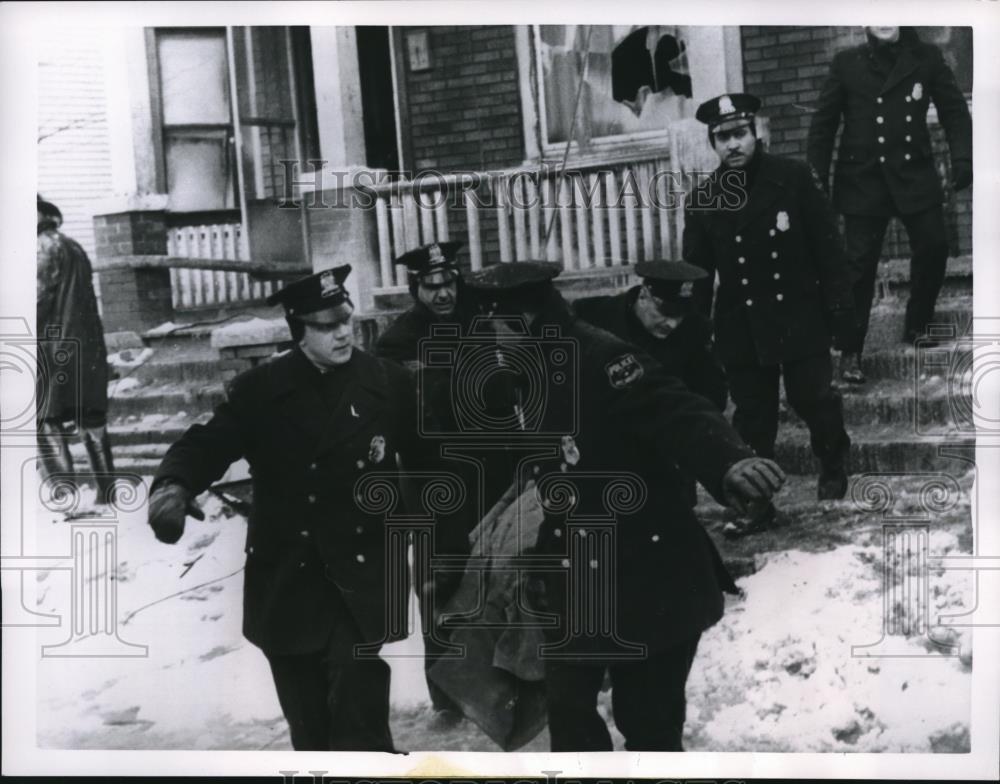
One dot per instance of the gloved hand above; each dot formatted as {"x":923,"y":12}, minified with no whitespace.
{"x":751,"y":482}
{"x":168,"y":506}
{"x":844,"y":326}
{"x":961,"y":174}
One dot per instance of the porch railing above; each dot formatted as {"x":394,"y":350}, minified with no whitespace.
{"x":199,"y":288}
{"x":588,"y":217}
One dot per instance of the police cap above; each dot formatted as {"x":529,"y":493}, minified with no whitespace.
{"x":428,"y":259}
{"x":514,"y":283}
{"x":316,"y":292}
{"x":729,"y":108}
{"x":670,"y":280}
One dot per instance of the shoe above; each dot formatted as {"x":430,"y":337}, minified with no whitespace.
{"x":764,"y":521}
{"x":852,"y":373}
{"x":832,"y":483}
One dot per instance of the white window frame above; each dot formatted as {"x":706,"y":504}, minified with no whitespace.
{"x":716,"y":76}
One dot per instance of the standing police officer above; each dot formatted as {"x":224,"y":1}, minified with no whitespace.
{"x":762,"y":223}
{"x":615,"y":415}
{"x":311,"y":423}
{"x":885,"y":166}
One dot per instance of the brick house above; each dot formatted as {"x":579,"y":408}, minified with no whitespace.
{"x":513,"y":139}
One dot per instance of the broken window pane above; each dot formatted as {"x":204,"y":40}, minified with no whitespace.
{"x":200,"y":172}
{"x":194,"y":77}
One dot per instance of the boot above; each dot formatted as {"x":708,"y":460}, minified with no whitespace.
{"x":53,"y":451}
{"x":95,"y":439}
{"x":833,"y":477}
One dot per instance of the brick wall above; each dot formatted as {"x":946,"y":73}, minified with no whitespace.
{"x":134,"y":299}
{"x":786,"y":67}
{"x":464,"y":113}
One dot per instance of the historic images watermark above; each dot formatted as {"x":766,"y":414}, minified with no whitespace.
{"x":543,"y":186}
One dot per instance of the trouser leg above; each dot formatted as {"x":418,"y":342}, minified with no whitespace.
{"x":811,"y":394}
{"x":929,"y":247}
{"x":571,"y":690}
{"x":94,"y":433}
{"x":332,"y":699}
{"x":53,"y":450}
{"x":648,"y":698}
{"x":863,"y":236}
{"x":754,"y":391}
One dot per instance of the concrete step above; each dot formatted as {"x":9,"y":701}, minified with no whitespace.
{"x":196,"y":397}
{"x":910,"y":405}
{"x":885,"y":330}
{"x":880,"y":448}
{"x":894,"y":274}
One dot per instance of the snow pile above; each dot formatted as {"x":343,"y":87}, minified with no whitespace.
{"x":777,"y":673}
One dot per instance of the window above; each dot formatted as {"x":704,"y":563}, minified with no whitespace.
{"x":211,"y":146}
{"x":605,"y":86}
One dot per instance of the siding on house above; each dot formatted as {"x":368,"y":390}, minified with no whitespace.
{"x":74,"y":149}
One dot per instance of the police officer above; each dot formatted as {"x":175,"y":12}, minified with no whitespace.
{"x":435,"y":284}
{"x":311,"y":423}
{"x":657,"y":316}
{"x":764,"y":226}
{"x":882,"y":90}
{"x":608,"y":411}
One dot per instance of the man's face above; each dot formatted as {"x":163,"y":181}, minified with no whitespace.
{"x":329,"y":336}
{"x":887,"y":34}
{"x":649,"y":310}
{"x":439,"y":292}
{"x":734,"y":146}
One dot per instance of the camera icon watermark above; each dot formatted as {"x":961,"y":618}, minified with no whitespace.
{"x":39,"y":373}
{"x":499,"y":381}
{"x":957,"y":380}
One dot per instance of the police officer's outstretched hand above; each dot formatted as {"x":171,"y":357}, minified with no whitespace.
{"x":751,"y":482}
{"x":961,"y":174}
{"x":169,"y":504}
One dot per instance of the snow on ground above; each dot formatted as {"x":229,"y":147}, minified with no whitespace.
{"x":776,"y":674}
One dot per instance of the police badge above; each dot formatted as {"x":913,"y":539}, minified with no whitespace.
{"x":782,"y":223}
{"x":571,"y":453}
{"x":328,"y":285}
{"x":624,"y":371}
{"x":726,"y":105}
{"x":918,"y":91}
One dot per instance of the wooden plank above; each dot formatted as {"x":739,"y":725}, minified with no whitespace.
{"x":503,"y":224}
{"x":631,"y":219}
{"x":519,"y":208}
{"x":548,"y":224}
{"x":566,"y":223}
{"x":678,"y":212}
{"x":472,"y":222}
{"x":441,"y":217}
{"x":579,"y":191}
{"x":646,"y":212}
{"x":398,"y":236}
{"x":614,"y":213}
{"x":384,"y":240}
{"x":534,"y":216}
{"x":411,"y":221}
{"x":597,"y":211}
{"x":426,"y":209}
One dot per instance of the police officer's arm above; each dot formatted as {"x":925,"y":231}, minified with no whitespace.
{"x":650,"y":405}
{"x":199,"y":458}
{"x":703,"y":371}
{"x":953,"y":114}
{"x":825,"y":121}
{"x":697,"y":249}
{"x":826,"y":245}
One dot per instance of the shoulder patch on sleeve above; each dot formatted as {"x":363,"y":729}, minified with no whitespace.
{"x":623,"y":371}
